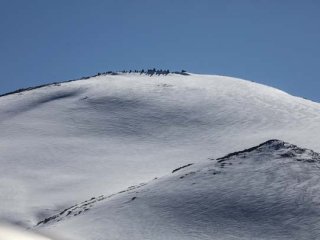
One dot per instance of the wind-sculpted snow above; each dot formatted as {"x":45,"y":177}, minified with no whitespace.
{"x":63,"y":143}
{"x":267,"y":192}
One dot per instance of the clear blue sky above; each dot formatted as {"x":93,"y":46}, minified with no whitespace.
{"x":268,"y":41}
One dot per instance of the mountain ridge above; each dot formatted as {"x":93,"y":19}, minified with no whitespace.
{"x":75,"y":138}
{"x":259,"y":173}
{"x":21,"y":90}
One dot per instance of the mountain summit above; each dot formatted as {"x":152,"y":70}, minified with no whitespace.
{"x":66,"y":142}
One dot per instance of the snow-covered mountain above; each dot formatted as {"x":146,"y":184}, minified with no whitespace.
{"x":271,"y":191}
{"x":64,"y":143}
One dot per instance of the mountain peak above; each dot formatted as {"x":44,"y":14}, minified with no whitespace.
{"x":279,"y":149}
{"x":99,"y":135}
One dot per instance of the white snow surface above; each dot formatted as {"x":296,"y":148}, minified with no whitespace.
{"x":14,"y":233}
{"x":65,"y":143}
{"x":268,"y":192}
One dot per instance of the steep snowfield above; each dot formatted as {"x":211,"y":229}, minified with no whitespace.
{"x":268,"y":192}
{"x":68,"y":142}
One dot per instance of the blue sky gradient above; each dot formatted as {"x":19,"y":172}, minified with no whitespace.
{"x":268,"y":41}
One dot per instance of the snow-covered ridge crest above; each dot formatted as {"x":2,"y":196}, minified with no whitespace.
{"x":280,"y":149}
{"x":266,"y":192}
{"x":276,"y":150}
{"x":149,"y":72}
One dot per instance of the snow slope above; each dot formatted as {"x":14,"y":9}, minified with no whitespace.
{"x":64,"y":143}
{"x":270,"y":191}
{"x":14,"y":233}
